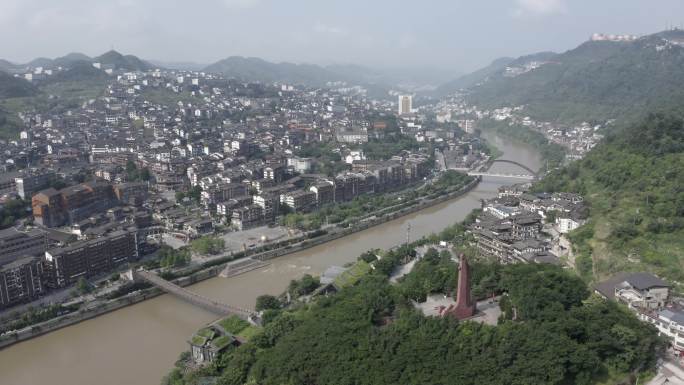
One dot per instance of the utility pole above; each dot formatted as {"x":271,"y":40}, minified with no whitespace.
{"x":408,"y":234}
{"x":408,"y":241}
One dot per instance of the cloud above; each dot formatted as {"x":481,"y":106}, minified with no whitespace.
{"x":10,"y":10}
{"x":538,"y":7}
{"x":242,"y":4}
{"x":329,"y":29}
{"x":407,"y":41}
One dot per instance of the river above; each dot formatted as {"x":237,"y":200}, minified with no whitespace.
{"x":138,"y":345}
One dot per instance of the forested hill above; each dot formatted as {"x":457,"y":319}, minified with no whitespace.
{"x":633,"y":182}
{"x":125,"y":62}
{"x":74,"y":59}
{"x":493,"y":71}
{"x":79,"y":71}
{"x":11,"y":87}
{"x":473,"y":78}
{"x":371,"y":334}
{"x":597,"y":80}
{"x":377,"y":81}
{"x":256,"y":69}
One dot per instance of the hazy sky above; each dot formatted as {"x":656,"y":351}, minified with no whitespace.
{"x":457,"y":34}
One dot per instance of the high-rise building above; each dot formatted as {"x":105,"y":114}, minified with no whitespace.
{"x":20,"y":281}
{"x":52,"y":208}
{"x":66,"y":265}
{"x":15,"y":244}
{"x":29,"y":183}
{"x":405,"y":104}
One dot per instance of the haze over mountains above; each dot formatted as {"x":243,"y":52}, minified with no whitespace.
{"x":596,"y":80}
{"x":113,"y":58}
{"x":256,"y":69}
{"x":599,"y":78}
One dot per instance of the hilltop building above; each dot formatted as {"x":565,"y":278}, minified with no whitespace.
{"x":637,"y":290}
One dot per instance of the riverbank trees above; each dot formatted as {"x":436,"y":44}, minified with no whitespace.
{"x":632,"y":182}
{"x":366,"y":205}
{"x":370,"y":333}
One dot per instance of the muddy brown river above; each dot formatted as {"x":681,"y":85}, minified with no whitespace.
{"x":137,"y":345}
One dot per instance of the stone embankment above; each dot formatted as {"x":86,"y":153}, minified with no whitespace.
{"x":91,"y":311}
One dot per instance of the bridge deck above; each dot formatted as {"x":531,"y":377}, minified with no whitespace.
{"x":194,"y":298}
{"x":501,"y":175}
{"x":531,"y":176}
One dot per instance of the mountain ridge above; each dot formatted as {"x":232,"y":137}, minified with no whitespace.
{"x":597,"y":80}
{"x":112,"y":57}
{"x":258,"y":69}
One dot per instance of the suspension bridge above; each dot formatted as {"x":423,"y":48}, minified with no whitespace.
{"x":194,"y":298}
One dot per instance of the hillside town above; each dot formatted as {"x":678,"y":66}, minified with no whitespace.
{"x":260,"y":192}
{"x":577,"y":139}
{"x":166,"y":157}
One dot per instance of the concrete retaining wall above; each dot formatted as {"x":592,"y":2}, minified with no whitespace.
{"x":118,"y":303}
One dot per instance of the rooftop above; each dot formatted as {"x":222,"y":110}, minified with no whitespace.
{"x":17,"y":263}
{"x":640,"y":281}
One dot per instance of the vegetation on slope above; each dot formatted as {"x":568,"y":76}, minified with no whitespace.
{"x":62,"y":92}
{"x":473,"y":78}
{"x":371,"y":334}
{"x":125,"y":62}
{"x":256,"y":69}
{"x":596,"y":81}
{"x":78,"y":72}
{"x":11,"y":87}
{"x":633,"y":184}
{"x":492,"y":71}
{"x":10,"y":125}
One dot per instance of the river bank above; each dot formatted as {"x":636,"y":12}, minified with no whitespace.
{"x":213,"y":271}
{"x":551,"y":153}
{"x":138,"y":344}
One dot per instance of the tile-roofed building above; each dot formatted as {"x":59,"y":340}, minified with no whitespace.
{"x":638,"y":290}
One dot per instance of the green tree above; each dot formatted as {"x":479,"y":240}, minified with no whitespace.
{"x":145,"y":174}
{"x":266,"y":302}
{"x":13,"y":210}
{"x":208,"y":245}
{"x":83,"y":286}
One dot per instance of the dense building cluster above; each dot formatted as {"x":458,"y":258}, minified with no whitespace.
{"x":577,"y":139}
{"x":510,"y":226}
{"x":182,"y":154}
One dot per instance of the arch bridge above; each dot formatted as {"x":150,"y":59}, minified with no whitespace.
{"x":532,"y":172}
{"x":531,"y":176}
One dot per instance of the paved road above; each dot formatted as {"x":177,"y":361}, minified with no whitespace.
{"x":670,"y":372}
